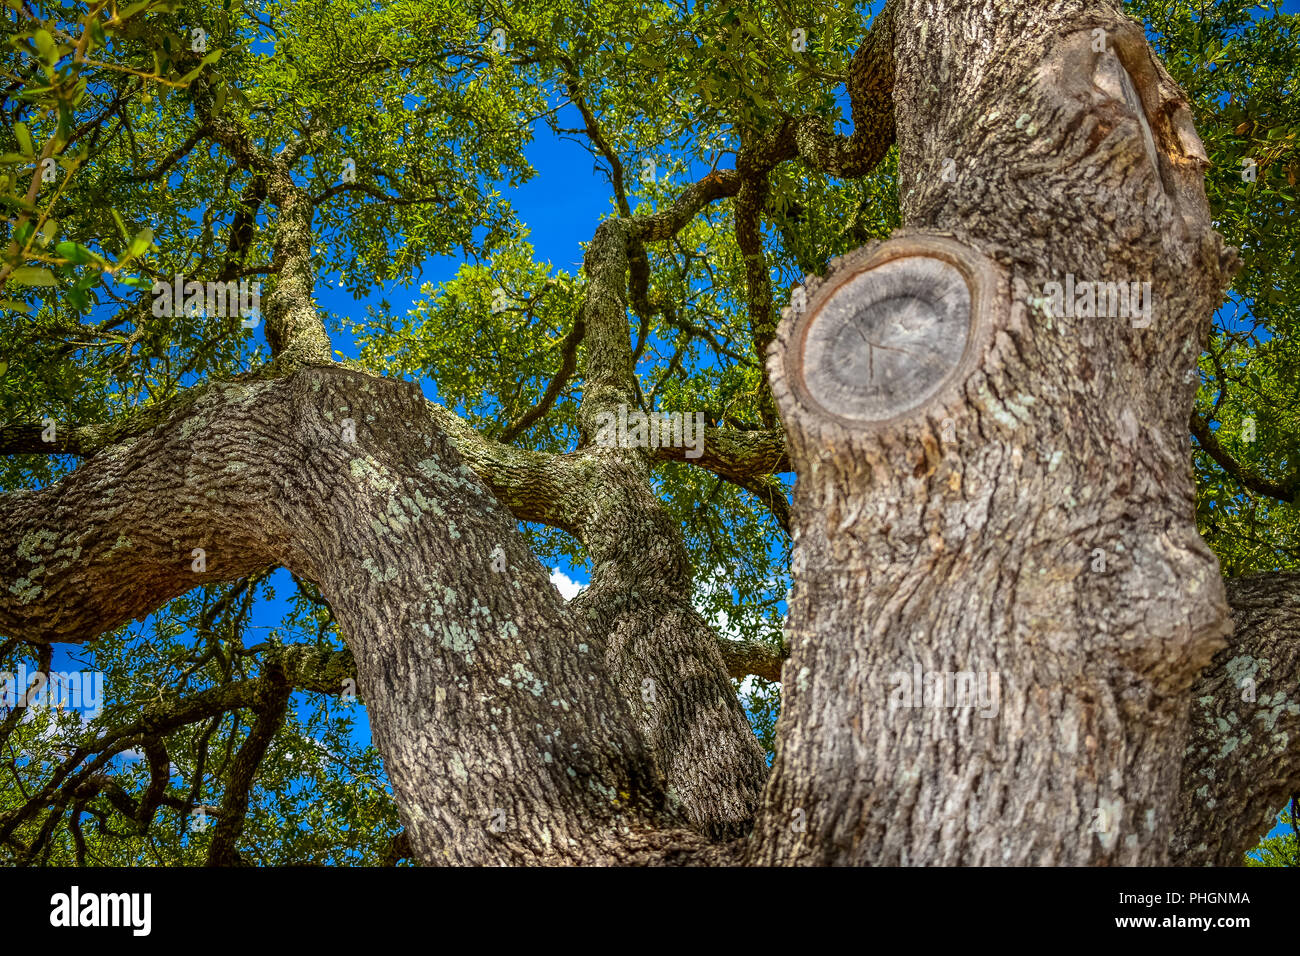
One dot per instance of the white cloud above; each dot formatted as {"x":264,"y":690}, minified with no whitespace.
{"x":565,"y":584}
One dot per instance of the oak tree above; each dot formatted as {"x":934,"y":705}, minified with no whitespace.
{"x":986,"y":312}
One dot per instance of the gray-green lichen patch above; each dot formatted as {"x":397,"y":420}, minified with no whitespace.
{"x":526,"y":680}
{"x":25,"y":591}
{"x":431,"y":469}
{"x":241,"y":393}
{"x":365,"y":470}
{"x":413,"y":506}
{"x":376,"y":574}
{"x":69,"y":555}
{"x":1240,"y":668}
{"x":43,"y":540}
{"x":457,"y":638}
{"x":1278,"y":705}
{"x":195,"y":423}
{"x":458,"y":768}
{"x":1009,"y":413}
{"x":398,"y":519}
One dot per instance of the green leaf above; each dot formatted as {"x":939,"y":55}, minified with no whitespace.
{"x":32,"y":275}
{"x":140,"y":243}
{"x":45,"y":45}
{"x":24,"y":140}
{"x":16,"y":201}
{"x":75,"y":252}
{"x":121,"y":226}
{"x":133,"y":9}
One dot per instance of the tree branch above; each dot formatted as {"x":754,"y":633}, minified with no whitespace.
{"x":271,"y":709}
{"x":1242,"y":764}
{"x":744,"y":658}
{"x":568,"y":364}
{"x":736,"y":455}
{"x":1287,"y":490}
{"x":428,"y":576}
{"x":871,"y":99}
{"x":664,"y":225}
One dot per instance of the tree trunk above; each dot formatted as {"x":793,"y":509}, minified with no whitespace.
{"x":1029,"y":523}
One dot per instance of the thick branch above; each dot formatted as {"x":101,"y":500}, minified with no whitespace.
{"x":1242,"y":763}
{"x":758,"y":280}
{"x":294,"y":329}
{"x":535,"y":486}
{"x":271,"y":710}
{"x":736,"y":455}
{"x":664,"y":225}
{"x":744,"y":658}
{"x":871,"y":98}
{"x":94,"y":550}
{"x":472,"y":666}
{"x":662,"y":655}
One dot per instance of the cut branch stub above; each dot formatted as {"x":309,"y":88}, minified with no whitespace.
{"x":895,"y":328}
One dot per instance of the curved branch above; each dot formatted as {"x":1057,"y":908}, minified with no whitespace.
{"x":1288,"y":490}
{"x":736,"y":455}
{"x":271,"y":709}
{"x":375,"y":193}
{"x":871,"y":99}
{"x":535,"y":486}
{"x":568,"y":364}
{"x":664,"y":225}
{"x":472,"y":666}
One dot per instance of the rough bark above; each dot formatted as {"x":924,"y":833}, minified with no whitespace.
{"x":1069,"y":445}
{"x":1240,"y":765}
{"x":504,"y":736}
{"x":663,"y":656}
